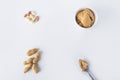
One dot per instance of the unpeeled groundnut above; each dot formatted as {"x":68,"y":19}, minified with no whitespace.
{"x":25,"y":63}
{"x":35,"y":68}
{"x":38,"y":54}
{"x":35,"y":60}
{"x":37,"y":57}
{"x":32,"y":51}
{"x":28,"y":67}
{"x":30,"y":60}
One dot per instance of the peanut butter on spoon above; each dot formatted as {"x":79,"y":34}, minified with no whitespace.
{"x":84,"y":67}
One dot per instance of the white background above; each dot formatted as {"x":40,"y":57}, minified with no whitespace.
{"x":60,"y":39}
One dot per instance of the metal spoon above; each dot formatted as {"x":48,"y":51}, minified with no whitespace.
{"x":85,"y":68}
{"x":89,"y":73}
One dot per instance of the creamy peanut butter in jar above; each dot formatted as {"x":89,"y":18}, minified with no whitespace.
{"x":85,"y":18}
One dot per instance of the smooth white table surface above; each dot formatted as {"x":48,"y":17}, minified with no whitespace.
{"x":60,"y":39}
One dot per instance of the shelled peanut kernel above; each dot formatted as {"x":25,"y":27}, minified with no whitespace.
{"x":32,"y":17}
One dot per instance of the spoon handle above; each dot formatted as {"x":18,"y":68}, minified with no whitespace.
{"x":90,"y":75}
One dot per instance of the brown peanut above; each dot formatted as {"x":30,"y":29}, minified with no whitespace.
{"x":35,"y":60}
{"x":32,"y":51}
{"x":28,"y":67}
{"x":30,"y":60}
{"x":35,"y":68}
{"x":38,"y":54}
{"x":37,"y":57}
{"x":25,"y":63}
